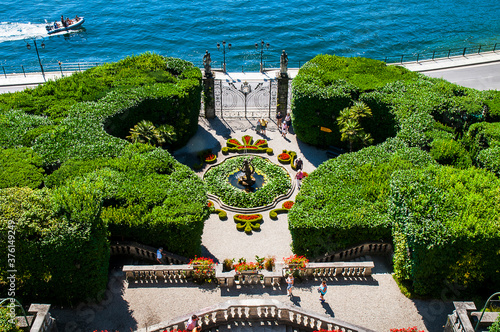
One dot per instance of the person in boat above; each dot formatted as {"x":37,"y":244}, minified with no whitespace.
{"x":77,"y":18}
{"x":63,"y":22}
{"x":68,"y":22}
{"x":56,"y":26}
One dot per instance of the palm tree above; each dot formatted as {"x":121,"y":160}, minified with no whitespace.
{"x":349,"y":125}
{"x":167,"y":134}
{"x":144,"y":132}
{"x":351,"y":131}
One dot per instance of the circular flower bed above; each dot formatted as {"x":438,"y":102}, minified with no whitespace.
{"x":277,"y":182}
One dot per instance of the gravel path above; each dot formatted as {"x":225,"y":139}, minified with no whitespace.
{"x":375,"y":303}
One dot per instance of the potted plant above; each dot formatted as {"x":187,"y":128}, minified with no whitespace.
{"x":203,"y":269}
{"x":296,"y":264}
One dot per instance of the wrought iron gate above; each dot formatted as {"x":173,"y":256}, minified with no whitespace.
{"x":252,"y":99}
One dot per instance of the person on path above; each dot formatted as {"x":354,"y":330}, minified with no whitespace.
{"x":192,"y":323}
{"x":289,"y":280}
{"x":299,"y":176}
{"x":263,"y":125}
{"x":298,"y":164}
{"x":288,"y":120}
{"x":322,"y":291}
{"x":159,"y":255}
{"x":279,"y":119}
{"x":258,"y":127}
{"x":283,"y":130}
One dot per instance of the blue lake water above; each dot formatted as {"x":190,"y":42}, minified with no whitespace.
{"x":115,"y":29}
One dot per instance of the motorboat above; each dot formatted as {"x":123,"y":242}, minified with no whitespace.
{"x":55,"y":27}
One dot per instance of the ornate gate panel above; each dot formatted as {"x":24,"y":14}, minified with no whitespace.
{"x":252,"y":99}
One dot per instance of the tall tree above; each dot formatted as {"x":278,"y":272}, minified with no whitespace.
{"x":349,"y":124}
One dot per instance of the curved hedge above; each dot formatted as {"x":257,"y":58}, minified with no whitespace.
{"x":61,"y":247}
{"x":344,"y":201}
{"x":447,"y":226}
{"x":98,"y":185}
{"x":403,"y":103}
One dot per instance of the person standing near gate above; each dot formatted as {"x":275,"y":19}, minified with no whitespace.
{"x":279,"y":119}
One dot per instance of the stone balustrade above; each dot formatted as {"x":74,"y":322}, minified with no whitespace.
{"x":366,"y":249}
{"x":258,"y":310}
{"x":464,"y":318}
{"x":39,"y":317}
{"x":165,"y":273}
{"x":141,"y":251}
{"x":262,"y":277}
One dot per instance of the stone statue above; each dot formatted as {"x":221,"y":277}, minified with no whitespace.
{"x":206,"y":63}
{"x":248,"y":169}
{"x":283,"y":63}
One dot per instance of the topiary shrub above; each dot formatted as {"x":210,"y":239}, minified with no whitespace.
{"x":446,"y":229}
{"x":20,"y":168}
{"x":344,"y":201}
{"x":450,"y":152}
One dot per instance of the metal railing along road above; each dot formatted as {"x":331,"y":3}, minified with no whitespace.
{"x":441,"y":53}
{"x":49,"y":67}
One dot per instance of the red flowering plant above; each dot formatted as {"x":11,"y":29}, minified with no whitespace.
{"x":296,"y":264}
{"x":247,"y":140}
{"x":203,"y":269}
{"x":247,"y":266}
{"x":284,"y":158}
{"x":261,"y":143}
{"x":288,"y":205}
{"x":410,"y":329}
{"x":210,"y":158}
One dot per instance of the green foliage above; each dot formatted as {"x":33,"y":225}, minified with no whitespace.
{"x":446,"y":228}
{"x":20,"y":168}
{"x":6,"y":323}
{"x":495,"y":327}
{"x":450,"y":152}
{"x":344,"y":201}
{"x":277,"y":182}
{"x":60,"y":244}
{"x":490,"y":159}
{"x":402,"y":102}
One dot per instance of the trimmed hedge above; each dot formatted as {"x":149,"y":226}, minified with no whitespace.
{"x":20,"y":168}
{"x":446,"y":228}
{"x":344,"y":201}
{"x":60,"y":244}
{"x":403,"y":103}
{"x":450,"y":152}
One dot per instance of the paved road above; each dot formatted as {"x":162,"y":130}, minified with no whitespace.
{"x":481,"y":77}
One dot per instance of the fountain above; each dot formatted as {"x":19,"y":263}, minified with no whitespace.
{"x":247,"y":180}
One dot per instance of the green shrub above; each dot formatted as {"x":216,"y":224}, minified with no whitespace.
{"x":344,"y":201}
{"x":450,"y":152}
{"x":490,"y":159}
{"x":20,"y":168}
{"x":6,"y":322}
{"x":446,"y":228}
{"x":61,"y":247}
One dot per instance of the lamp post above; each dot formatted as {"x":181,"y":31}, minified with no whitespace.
{"x":28,"y":46}
{"x":224,"y":52}
{"x":261,"y":53}
{"x":246,"y":89}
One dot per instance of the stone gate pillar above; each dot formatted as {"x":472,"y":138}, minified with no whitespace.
{"x":209,"y":95}
{"x":282,"y":97}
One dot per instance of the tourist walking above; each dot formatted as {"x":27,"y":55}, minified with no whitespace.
{"x":279,"y":119}
{"x":284,"y":129}
{"x":258,"y":128}
{"x":192,"y":323}
{"x":159,"y":255}
{"x":289,"y":280}
{"x":263,"y":126}
{"x":298,"y":164}
{"x":322,"y":291}
{"x":299,"y":176}
{"x":288,"y":120}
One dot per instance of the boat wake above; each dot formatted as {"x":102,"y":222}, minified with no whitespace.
{"x":10,"y":31}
